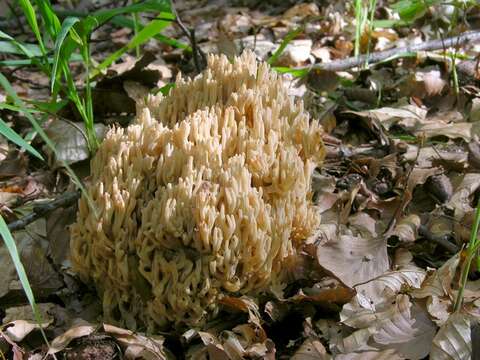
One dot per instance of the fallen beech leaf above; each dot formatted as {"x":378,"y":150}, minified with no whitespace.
{"x":392,"y":282}
{"x":311,"y":349}
{"x":61,"y":342}
{"x":354,"y":259}
{"x":407,"y":116}
{"x":389,"y":354}
{"x":460,"y":201}
{"x":438,"y":289}
{"x":406,"y":229}
{"x":448,"y":157}
{"x":17,"y":330}
{"x":327,"y":292}
{"x":396,"y":324}
{"x":302,"y":10}
{"x":296,"y":53}
{"x":70,"y":141}
{"x":453,"y":341}
{"x":138,"y":345}
{"x":461,"y":130}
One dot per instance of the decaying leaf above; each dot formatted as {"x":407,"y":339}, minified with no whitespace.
{"x":453,"y":340}
{"x":70,"y":141}
{"x":354,"y":259}
{"x":396,"y":324}
{"x":438,"y":289}
{"x":311,"y":349}
{"x":406,"y":228}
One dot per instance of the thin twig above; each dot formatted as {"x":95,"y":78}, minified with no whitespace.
{"x":348,"y":63}
{"x":440,"y":240}
{"x":65,"y":200}
{"x":190,"y":34}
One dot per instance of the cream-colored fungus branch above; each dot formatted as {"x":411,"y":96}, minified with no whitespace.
{"x":205,"y":195}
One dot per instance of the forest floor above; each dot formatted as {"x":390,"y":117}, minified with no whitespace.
{"x":392,"y":271}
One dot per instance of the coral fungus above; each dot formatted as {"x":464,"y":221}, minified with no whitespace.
{"x":204,"y":195}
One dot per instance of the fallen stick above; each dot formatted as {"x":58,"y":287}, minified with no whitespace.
{"x":348,"y":63}
{"x":40,"y":210}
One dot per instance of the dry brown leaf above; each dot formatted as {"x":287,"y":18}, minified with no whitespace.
{"x":406,"y":229}
{"x":397,"y":324}
{"x":296,"y":53}
{"x":353,"y":258}
{"x":407,"y":116}
{"x":17,"y":330}
{"x":61,"y":342}
{"x":438,"y":289}
{"x":311,"y":349}
{"x":461,"y":198}
{"x":327,"y":292}
{"x":453,"y":341}
{"x":389,"y":354}
{"x":70,"y":141}
{"x":461,"y":130}
{"x":301,"y":11}
{"x":138,"y":346}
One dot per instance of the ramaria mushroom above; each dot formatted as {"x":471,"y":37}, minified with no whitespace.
{"x":204,"y":196}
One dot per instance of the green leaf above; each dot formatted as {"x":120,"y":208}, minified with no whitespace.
{"x":29,"y":13}
{"x":23,"y":48}
{"x":150,"y":30}
{"x":17,"y":48}
{"x":22,"y":275}
{"x":165,"y":90}
{"x":51,"y":107}
{"x":293,"y":71}
{"x":410,"y":10}
{"x":5,"y":36}
{"x":145,"y":6}
{"x":65,"y":29}
{"x":388,"y":24}
{"x":289,"y":37}
{"x":11,"y":135}
{"x":33,"y":61}
{"x":123,"y":21}
{"x":52,"y":23}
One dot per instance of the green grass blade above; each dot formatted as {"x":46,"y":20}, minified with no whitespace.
{"x":123,"y":21}
{"x":17,"y":101}
{"x":150,"y":30}
{"x":11,"y":135}
{"x":289,"y":37}
{"x":22,"y":275}
{"x":33,"y":61}
{"x":52,"y":23}
{"x":17,"y":48}
{"x":24,"y":49}
{"x":471,"y":252}
{"x":146,"y":6}
{"x":29,"y":13}
{"x":293,"y":71}
{"x":68,"y":23}
{"x":5,"y":36}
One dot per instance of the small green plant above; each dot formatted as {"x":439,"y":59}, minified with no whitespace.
{"x":471,"y":253}
{"x":364,"y":21}
{"x":22,"y":275}
{"x":70,"y":41}
{"x":288,"y":38}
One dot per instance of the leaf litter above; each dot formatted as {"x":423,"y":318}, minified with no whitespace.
{"x":397,"y":193}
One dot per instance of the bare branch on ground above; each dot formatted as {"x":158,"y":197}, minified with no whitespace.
{"x":351,"y":62}
{"x":65,"y":200}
